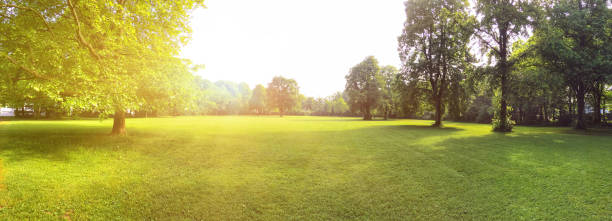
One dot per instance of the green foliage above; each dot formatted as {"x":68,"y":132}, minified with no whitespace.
{"x":434,"y":47}
{"x":337,"y":105}
{"x":390,"y":101}
{"x":282,"y":94}
{"x":574,"y":43}
{"x":363,"y":86}
{"x":258,"y":100}
{"x":500,"y":22}
{"x":501,"y":124}
{"x":222,"y":97}
{"x":480,"y":110}
{"x":100,"y":56}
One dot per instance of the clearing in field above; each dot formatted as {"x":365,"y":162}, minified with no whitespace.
{"x":236,"y":168}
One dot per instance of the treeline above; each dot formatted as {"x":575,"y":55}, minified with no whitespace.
{"x":508,"y":62}
{"x":280,"y":96}
{"x":500,"y":62}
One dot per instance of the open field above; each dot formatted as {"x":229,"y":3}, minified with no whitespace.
{"x":235,"y":168}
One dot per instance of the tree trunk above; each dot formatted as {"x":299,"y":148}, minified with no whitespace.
{"x":604,"y":117}
{"x":386,"y":113}
{"x":119,"y":123}
{"x":570,"y":107}
{"x":503,"y":69}
{"x":438,"y":117}
{"x":597,"y":94}
{"x":36,"y":112}
{"x":367,"y":115}
{"x":546,"y":114}
{"x":580,"y":124}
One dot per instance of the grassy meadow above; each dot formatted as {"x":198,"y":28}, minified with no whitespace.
{"x":301,"y":168}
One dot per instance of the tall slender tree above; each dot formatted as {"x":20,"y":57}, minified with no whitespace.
{"x":433,"y":45}
{"x":258,"y":100}
{"x":501,"y":22}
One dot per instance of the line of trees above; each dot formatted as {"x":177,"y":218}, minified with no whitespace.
{"x":281,"y":96}
{"x":503,"y":62}
{"x":541,"y":61}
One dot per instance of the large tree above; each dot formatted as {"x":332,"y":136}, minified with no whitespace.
{"x":282,"y":93}
{"x":258,"y":99}
{"x":363,"y":86}
{"x":433,"y":46}
{"x":501,"y":22}
{"x":101,"y":56}
{"x":576,"y":42}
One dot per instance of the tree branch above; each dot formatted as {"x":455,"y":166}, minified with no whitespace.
{"x":487,"y":43}
{"x":30,"y":9}
{"x":80,"y":37}
{"x":31,"y":71}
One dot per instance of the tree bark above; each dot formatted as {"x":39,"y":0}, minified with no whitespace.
{"x":438,"y":117}
{"x":36,"y":112}
{"x":503,"y":69}
{"x":546,"y":114}
{"x":597,"y":94}
{"x":580,"y":124}
{"x":604,"y":112}
{"x":367,"y":115}
{"x":386,"y":113}
{"x":570,"y":107}
{"x":119,"y":123}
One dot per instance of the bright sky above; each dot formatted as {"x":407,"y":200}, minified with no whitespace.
{"x":315,"y":42}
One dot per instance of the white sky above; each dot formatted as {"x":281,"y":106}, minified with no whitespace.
{"x":315,"y":42}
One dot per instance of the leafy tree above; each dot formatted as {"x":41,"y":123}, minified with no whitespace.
{"x":433,"y":46}
{"x":282,"y":93}
{"x":96,"y":55}
{"x":203,"y":102}
{"x":245,"y":97}
{"x":258,"y":100}
{"x":500,"y":23}
{"x":308,"y":105}
{"x":363,"y":86}
{"x":390,"y":97}
{"x":536,"y":91}
{"x":575,"y":43}
{"x":337,"y":105}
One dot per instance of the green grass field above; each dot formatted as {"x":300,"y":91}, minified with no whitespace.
{"x":301,"y":168}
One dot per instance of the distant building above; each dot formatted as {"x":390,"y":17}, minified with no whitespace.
{"x":7,"y":112}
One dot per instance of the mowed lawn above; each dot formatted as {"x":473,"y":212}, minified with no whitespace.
{"x":301,"y":168}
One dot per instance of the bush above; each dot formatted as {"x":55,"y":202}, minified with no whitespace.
{"x":479,"y":110}
{"x":484,"y":115}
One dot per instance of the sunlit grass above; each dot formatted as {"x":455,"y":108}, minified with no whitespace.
{"x":224,"y":168}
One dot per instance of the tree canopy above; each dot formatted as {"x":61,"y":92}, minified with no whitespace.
{"x":363,"y":85}
{"x":102,"y":56}
{"x":433,"y":46}
{"x":282,"y":94}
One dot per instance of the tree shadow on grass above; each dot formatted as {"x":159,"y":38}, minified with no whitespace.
{"x":338,"y":119}
{"x":590,"y":131}
{"x":500,"y":176}
{"x":428,"y":128}
{"x":372,"y":172}
{"x":56,"y":141}
{"x":52,"y":142}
